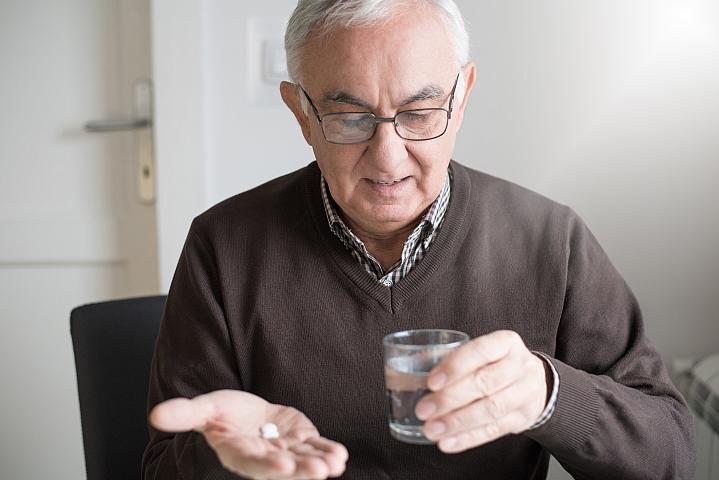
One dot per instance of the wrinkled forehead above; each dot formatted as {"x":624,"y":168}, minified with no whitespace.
{"x":398,"y":57}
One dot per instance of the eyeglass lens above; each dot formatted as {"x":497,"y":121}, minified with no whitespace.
{"x":422,"y":124}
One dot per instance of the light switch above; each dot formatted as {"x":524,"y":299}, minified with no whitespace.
{"x":266,"y":65}
{"x":274,"y":62}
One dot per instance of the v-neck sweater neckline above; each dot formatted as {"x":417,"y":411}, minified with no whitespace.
{"x":451,"y":234}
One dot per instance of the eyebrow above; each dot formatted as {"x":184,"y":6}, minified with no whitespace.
{"x":339,"y":96}
{"x":429,"y":92}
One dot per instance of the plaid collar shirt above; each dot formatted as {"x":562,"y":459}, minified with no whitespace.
{"x":414,"y":247}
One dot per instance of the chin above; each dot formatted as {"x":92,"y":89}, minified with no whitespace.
{"x":393,"y":215}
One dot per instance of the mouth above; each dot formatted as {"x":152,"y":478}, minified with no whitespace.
{"x":385,"y":182}
{"x":387,"y":188}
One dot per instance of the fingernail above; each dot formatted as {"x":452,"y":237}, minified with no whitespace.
{"x":434,"y":429}
{"x":425,"y":409}
{"x":448,"y":443}
{"x":436,"y":381}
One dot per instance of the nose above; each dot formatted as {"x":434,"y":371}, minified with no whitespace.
{"x":386,"y":150}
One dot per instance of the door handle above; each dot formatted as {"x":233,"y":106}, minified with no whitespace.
{"x":116,"y":125}
{"x":141,"y":111}
{"x":141,"y":123}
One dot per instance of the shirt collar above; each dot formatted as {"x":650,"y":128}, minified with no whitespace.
{"x":428,"y":225}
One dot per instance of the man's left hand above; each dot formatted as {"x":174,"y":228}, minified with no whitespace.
{"x":489,"y":387}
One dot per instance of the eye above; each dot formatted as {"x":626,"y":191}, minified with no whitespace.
{"x":414,"y":117}
{"x":356,"y":121}
{"x":351,"y":122}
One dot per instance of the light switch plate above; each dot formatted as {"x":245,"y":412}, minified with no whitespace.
{"x":274,"y":62}
{"x":266,"y":66}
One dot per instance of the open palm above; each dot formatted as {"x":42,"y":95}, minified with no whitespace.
{"x":231,"y":420}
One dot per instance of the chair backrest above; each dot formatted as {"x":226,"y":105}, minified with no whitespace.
{"x":113,"y":343}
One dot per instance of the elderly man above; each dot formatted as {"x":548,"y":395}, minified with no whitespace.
{"x":283,"y":293}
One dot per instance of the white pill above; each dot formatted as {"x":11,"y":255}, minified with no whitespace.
{"x":269,"y":430}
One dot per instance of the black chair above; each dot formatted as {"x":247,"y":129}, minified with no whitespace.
{"x":113,"y":343}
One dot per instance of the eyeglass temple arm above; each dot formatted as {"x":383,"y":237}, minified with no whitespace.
{"x":314,"y":109}
{"x":451,"y":96}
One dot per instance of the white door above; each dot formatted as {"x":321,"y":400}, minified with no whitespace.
{"x":72,"y":227}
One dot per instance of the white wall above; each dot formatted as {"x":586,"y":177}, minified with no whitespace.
{"x":217,"y":131}
{"x":613,"y":109}
{"x":251,"y":136}
{"x":178,"y":49}
{"x":72,"y":230}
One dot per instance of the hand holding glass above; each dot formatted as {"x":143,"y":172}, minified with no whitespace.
{"x":409,"y":357}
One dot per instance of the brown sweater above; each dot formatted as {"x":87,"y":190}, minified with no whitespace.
{"x":266,"y":299}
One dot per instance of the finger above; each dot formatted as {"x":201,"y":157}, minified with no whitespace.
{"x":254,"y":461}
{"x":181,"y":414}
{"x":260,"y":458}
{"x":310,"y":466}
{"x":306,"y":449}
{"x":494,"y":408}
{"x":330,"y":446}
{"x":300,"y":435}
{"x":252,"y":456}
{"x":240,"y":446}
{"x":474,"y":354}
{"x":279,"y":443}
{"x":479,"y":436}
{"x":480,"y":383}
{"x":333,"y":457}
{"x":334,"y":454}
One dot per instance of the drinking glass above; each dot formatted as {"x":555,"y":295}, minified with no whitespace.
{"x":409,"y":356}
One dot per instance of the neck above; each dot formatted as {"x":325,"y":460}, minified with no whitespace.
{"x":385,"y":246}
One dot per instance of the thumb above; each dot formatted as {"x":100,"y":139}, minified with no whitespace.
{"x":182,"y":414}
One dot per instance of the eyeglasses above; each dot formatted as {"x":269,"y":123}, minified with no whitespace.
{"x":356,"y":127}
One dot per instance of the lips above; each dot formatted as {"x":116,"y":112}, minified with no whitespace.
{"x":385,"y":182}
{"x":386,"y":187}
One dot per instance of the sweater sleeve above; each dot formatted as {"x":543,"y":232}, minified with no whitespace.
{"x":192,"y":356}
{"x":617,"y":413}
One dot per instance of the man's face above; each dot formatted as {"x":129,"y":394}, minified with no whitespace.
{"x":380,"y":69}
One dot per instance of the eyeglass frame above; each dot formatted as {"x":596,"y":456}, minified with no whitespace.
{"x":393,"y":120}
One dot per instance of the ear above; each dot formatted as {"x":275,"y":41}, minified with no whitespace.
{"x":290,"y":95}
{"x":470,"y":76}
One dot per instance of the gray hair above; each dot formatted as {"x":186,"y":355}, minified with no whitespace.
{"x":325,"y":16}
